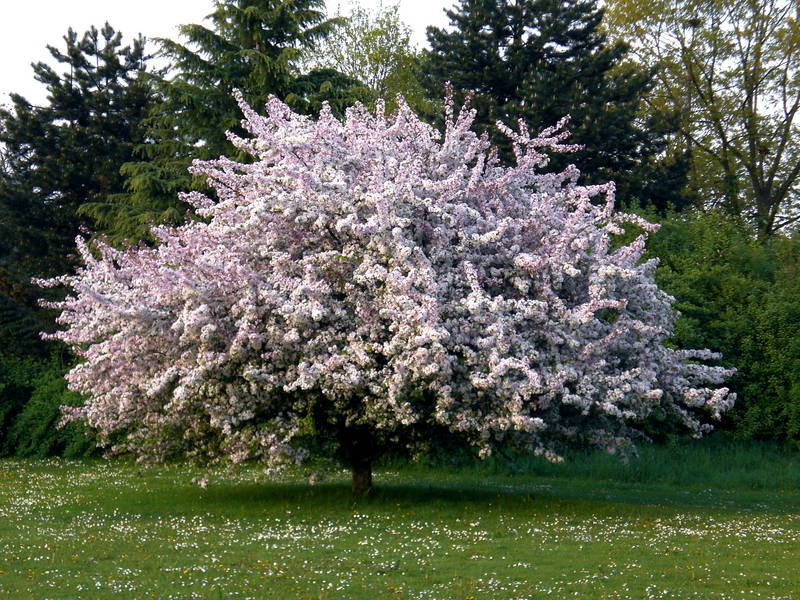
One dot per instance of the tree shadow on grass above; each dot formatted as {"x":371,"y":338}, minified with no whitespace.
{"x":548,"y":494}
{"x":339,"y":496}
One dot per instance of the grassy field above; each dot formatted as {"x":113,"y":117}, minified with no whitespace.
{"x":685,"y":522}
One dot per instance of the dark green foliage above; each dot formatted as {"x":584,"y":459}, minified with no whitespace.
{"x":31,"y":395}
{"x":20,"y":323}
{"x":309,"y":91}
{"x":742,"y":298}
{"x":17,"y":377}
{"x":56,"y":160}
{"x":68,"y":153}
{"x":539,"y":60}
{"x":250,"y":45}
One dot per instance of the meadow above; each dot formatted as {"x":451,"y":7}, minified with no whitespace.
{"x":697,"y":520}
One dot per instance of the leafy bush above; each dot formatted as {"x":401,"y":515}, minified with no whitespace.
{"x":31,"y":394}
{"x":17,"y":375}
{"x":740,"y":297}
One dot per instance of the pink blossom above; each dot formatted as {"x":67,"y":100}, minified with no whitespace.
{"x":375,"y":275}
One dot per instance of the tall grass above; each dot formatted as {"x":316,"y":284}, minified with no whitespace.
{"x":718,"y":461}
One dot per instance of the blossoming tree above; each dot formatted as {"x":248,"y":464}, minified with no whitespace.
{"x":360,"y":284}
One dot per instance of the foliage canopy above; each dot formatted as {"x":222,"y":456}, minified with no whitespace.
{"x":539,"y":60}
{"x":730,"y":68}
{"x":362,"y":283}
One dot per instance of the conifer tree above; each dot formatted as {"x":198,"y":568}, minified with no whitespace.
{"x":539,"y":60}
{"x":249,"y":45}
{"x":59,"y":156}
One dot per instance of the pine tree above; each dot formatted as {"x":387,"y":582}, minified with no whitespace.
{"x":250,"y":45}
{"x":539,"y":60}
{"x":60,"y":156}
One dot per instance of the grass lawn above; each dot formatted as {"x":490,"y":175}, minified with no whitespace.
{"x":72,"y":529}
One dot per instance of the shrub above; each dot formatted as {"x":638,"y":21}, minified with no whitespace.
{"x":31,"y":395}
{"x":740,"y":297}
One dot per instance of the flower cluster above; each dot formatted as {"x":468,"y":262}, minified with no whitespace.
{"x":390,"y":275}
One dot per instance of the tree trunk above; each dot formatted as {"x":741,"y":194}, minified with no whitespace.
{"x":362,"y":476}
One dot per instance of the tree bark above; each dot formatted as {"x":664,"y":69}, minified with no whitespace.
{"x":362,"y":476}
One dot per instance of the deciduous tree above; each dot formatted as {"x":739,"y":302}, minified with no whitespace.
{"x":731,"y":69}
{"x":362,"y":283}
{"x":374,"y":47}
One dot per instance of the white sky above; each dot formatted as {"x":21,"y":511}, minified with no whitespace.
{"x":28,"y":26}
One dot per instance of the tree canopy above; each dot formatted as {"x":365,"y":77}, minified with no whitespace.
{"x":374,"y":47}
{"x":249,"y":45}
{"x":60,"y":157}
{"x":361,"y":283}
{"x":730,"y":68}
{"x":539,"y":60}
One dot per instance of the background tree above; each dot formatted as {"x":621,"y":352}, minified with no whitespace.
{"x":310,"y":90}
{"x":539,"y":60}
{"x":59,"y":157}
{"x":53,"y":160}
{"x":361,"y":284}
{"x":374,"y":47}
{"x":741,"y":297}
{"x":731,"y":69}
{"x":250,"y":45}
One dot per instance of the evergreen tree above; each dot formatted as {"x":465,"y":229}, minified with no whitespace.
{"x":250,"y":45}
{"x":310,"y":90}
{"x":53,"y":159}
{"x":539,"y":60}
{"x":58,"y":157}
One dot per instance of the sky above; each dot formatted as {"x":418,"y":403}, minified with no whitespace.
{"x":27,"y":27}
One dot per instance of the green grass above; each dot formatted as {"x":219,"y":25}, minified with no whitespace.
{"x":717,"y":462}
{"x":704,"y":523}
